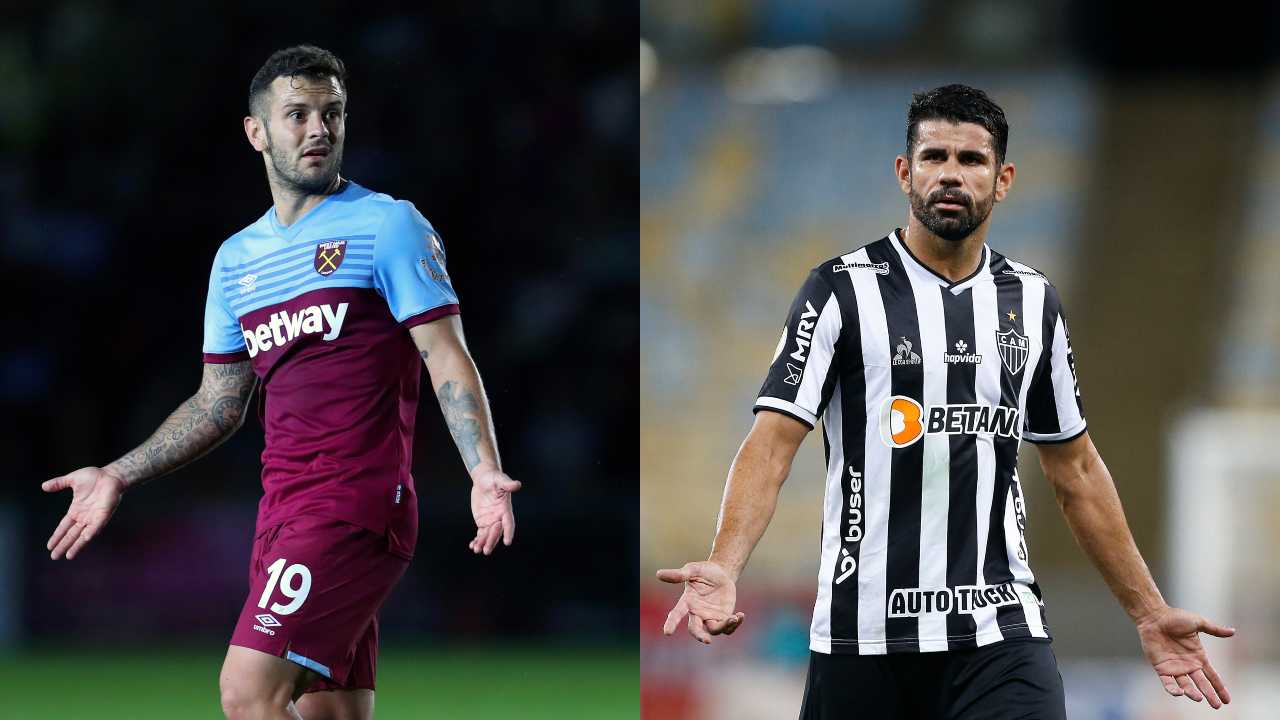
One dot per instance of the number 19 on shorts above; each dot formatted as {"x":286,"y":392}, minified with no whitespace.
{"x":286,"y":580}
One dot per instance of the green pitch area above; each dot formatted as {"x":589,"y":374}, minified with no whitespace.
{"x":473,"y":684}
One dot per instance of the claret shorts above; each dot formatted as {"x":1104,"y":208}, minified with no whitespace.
{"x":315,"y":588}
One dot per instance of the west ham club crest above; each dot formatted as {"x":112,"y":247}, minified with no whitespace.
{"x":329,"y":255}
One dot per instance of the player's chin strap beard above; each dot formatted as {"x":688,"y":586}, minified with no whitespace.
{"x":294,"y":183}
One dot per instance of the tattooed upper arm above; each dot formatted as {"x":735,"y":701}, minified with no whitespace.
{"x":438,"y":337}
{"x":223,"y":379}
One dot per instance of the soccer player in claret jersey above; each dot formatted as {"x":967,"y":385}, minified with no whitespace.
{"x":929,"y":356}
{"x":332,"y":301}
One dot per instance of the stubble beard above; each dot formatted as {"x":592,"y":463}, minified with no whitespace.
{"x":952,"y":227}
{"x":290,"y":177}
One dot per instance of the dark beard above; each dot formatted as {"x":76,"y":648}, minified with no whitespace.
{"x":953,"y":227}
{"x":294,"y":181}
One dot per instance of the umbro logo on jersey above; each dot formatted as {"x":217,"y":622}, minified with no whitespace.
{"x":903,"y":421}
{"x":903,"y":355}
{"x":248,"y":283}
{"x":961,"y":355}
{"x":877,"y":268}
{"x":1013,"y":348}
{"x":329,"y":256}
{"x":285,"y":327}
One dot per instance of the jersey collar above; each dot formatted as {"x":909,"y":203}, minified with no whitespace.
{"x":913,"y":264}
{"x":291,"y":232}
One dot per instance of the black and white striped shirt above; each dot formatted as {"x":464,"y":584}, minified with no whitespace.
{"x":925,"y":388}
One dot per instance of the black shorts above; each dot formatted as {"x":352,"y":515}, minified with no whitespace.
{"x":1015,"y":678}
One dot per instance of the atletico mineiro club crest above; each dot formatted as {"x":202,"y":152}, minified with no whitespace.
{"x":329,"y":255}
{"x":1014,"y":349}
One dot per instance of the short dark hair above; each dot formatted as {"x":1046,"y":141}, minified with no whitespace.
{"x":958,"y":104}
{"x":308,"y":61}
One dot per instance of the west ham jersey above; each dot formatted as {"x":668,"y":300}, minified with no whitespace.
{"x":322,"y":309}
{"x":926,"y":388}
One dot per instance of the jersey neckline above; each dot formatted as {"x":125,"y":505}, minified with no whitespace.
{"x":290,"y":232}
{"x":955,"y":287}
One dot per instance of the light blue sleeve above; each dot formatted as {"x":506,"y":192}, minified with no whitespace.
{"x":222,"y":334}
{"x":409,"y":267}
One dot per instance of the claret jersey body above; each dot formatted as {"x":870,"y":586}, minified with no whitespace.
{"x":321,"y":309}
{"x":925,"y":388}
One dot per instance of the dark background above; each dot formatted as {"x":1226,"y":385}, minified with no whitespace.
{"x":123,"y":166}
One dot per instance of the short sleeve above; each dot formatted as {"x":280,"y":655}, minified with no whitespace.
{"x":804,"y":367}
{"x":409,"y":268}
{"x":223,"y":337}
{"x":1055,"y":410}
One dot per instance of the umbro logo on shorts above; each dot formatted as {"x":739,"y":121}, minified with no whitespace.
{"x":267,"y":621}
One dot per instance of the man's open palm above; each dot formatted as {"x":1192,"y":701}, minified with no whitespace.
{"x":708,"y":599}
{"x":95,"y":494}
{"x":1171,"y":641}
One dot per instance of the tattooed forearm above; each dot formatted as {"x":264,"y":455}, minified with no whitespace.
{"x":460,"y":392}
{"x":196,"y":427}
{"x":461,"y":413}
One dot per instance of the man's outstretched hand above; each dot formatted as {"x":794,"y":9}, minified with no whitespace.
{"x":1171,"y":639}
{"x":708,"y":600}
{"x":491,"y":508}
{"x":95,"y":494}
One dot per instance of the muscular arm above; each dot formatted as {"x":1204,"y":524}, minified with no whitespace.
{"x":200,"y":424}
{"x":751,"y":491}
{"x":750,"y":496}
{"x":457,"y":386}
{"x":1170,"y":636}
{"x":196,"y":427}
{"x":1092,"y":508}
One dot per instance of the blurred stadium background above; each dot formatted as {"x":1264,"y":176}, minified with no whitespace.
{"x":1148,"y":153}
{"x":123,"y":166}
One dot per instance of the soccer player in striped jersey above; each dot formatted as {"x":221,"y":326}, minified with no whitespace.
{"x":929,"y":357}
{"x":330,"y":304}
